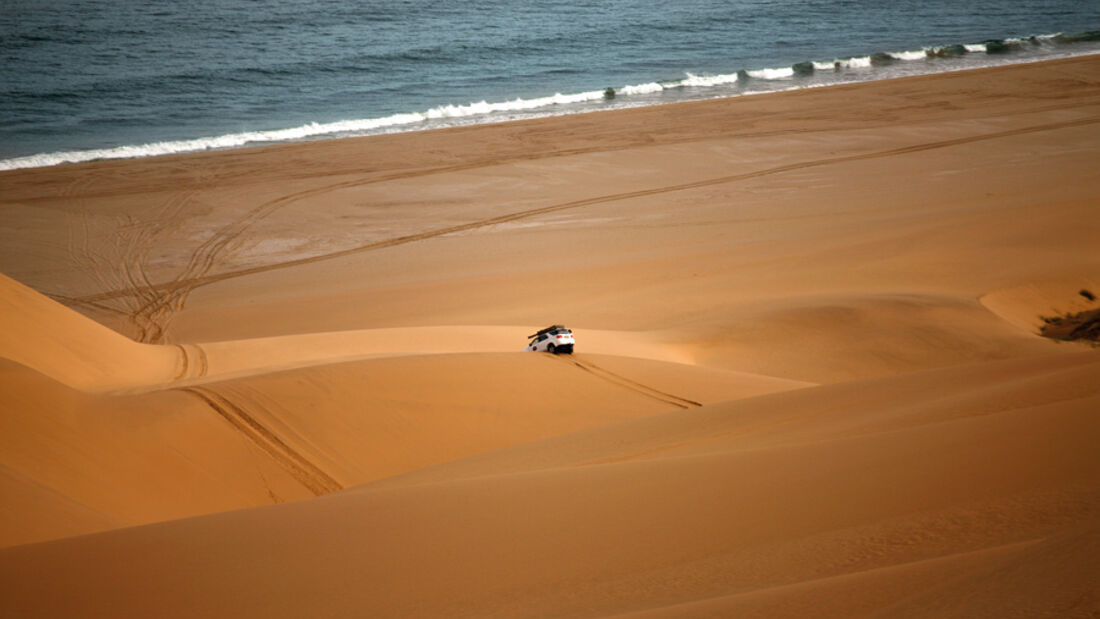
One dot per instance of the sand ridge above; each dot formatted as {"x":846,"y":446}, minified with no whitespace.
{"x":691,"y":518}
{"x":70,"y":348}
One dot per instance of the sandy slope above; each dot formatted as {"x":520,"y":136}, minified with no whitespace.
{"x":76,"y":463}
{"x":832,"y":500}
{"x":808,"y":378}
{"x":45,"y":336}
{"x":58,"y":342}
{"x":224,"y":425}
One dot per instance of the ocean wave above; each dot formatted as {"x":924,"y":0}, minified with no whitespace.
{"x":772,"y":74}
{"x":725,"y":84}
{"x":1080,"y":37}
{"x":910,"y":55}
{"x":482,"y":108}
{"x":860,"y":62}
{"x":641,"y":89}
{"x":947,"y":51}
{"x":708,"y":80}
{"x":232,"y":140}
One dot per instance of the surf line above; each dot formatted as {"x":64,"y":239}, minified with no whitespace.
{"x":509,"y":217}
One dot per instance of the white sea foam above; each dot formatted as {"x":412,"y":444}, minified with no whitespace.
{"x":708,"y":80}
{"x":641,"y":89}
{"x":231,"y":140}
{"x":482,"y":108}
{"x":910,"y":55}
{"x":975,"y":47}
{"x":772,"y":74}
{"x":825,"y":66}
{"x":234,"y":140}
{"x":861,"y":62}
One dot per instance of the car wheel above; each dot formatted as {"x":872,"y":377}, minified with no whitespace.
{"x":551,"y":349}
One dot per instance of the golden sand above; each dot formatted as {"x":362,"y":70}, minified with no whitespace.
{"x":808,"y":378}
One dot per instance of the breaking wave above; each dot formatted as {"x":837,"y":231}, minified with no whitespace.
{"x":742,"y":81}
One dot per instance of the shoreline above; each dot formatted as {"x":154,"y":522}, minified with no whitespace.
{"x":347,"y":166}
{"x":290,"y":146}
{"x":346,"y":129}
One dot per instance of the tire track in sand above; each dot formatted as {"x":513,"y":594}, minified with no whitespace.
{"x":635,"y":386}
{"x":124,"y":262}
{"x":305,"y":472}
{"x":193,"y":361}
{"x":189,"y":284}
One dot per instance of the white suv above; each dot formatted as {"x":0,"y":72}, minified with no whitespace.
{"x":554,"y":339}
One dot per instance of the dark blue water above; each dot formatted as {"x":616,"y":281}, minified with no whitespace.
{"x":86,"y":79}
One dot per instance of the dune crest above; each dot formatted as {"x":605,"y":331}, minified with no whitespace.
{"x":1025,"y":306}
{"x":42,"y":334}
{"x":48,"y":337}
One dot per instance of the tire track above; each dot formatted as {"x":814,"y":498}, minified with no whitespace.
{"x":88,"y":262}
{"x":124,"y":263}
{"x":305,"y":472}
{"x":187,"y":284}
{"x":622,"y":381}
{"x":157,"y":304}
{"x":193,"y":361}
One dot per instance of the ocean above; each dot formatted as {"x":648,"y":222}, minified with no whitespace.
{"x":99,"y":79}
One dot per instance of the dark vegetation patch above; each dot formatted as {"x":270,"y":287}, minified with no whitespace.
{"x":1076,"y":326}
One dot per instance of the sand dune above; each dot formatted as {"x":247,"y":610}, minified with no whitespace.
{"x":70,"y":348}
{"x":1009,"y":580}
{"x":771,"y":504}
{"x":809,"y":377}
{"x":107,"y":461}
{"x":1025,"y":306}
{"x":288,"y":417}
{"x":58,"y":342}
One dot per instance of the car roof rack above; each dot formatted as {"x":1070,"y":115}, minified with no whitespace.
{"x":547,"y":330}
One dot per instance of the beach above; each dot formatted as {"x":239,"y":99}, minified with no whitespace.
{"x":808,"y":379}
